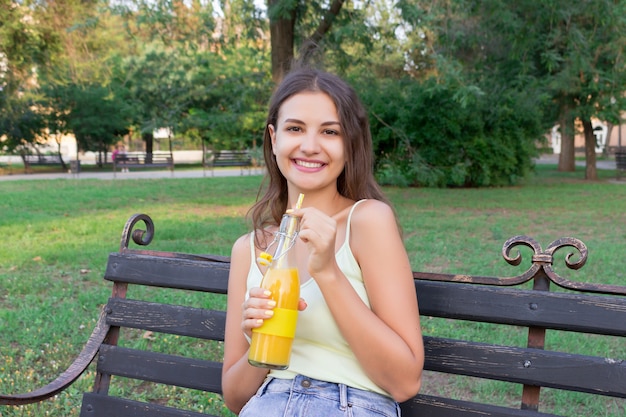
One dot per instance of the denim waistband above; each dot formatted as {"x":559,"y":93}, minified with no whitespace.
{"x":342,"y":393}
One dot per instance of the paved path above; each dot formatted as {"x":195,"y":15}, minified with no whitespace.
{"x":222,"y":172}
{"x":554,"y":159}
{"x":137,"y":174}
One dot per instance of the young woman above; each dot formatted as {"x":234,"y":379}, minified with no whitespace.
{"x":358,"y":347}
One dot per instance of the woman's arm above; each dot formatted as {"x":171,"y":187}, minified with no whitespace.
{"x":387,"y":339}
{"x":240,"y":380}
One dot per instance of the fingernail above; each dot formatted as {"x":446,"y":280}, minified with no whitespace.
{"x":269,"y":313}
{"x":289,"y":211}
{"x":271,"y":303}
{"x":259,"y":321}
{"x":267,"y":293}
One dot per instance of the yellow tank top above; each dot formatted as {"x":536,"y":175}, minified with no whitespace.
{"x":319,"y":350}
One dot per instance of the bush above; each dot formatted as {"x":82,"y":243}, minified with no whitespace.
{"x":434,"y":134}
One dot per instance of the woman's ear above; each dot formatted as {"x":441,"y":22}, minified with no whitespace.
{"x":272,"y":131}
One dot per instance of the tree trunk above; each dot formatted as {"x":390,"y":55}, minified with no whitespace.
{"x":282,"y":33}
{"x":310,"y":46}
{"x":148,"y":137}
{"x":282,"y":29}
{"x":63,"y":165}
{"x":591,"y":172}
{"x":607,"y":143}
{"x":567,"y":162}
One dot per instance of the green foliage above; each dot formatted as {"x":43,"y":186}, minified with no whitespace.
{"x":95,"y":115}
{"x":444,"y":135}
{"x":229,"y":111}
{"x":20,"y":123}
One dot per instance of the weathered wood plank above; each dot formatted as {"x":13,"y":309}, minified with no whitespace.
{"x":590,"y":374}
{"x":552,"y":310}
{"x":95,"y":405}
{"x":172,"y":319}
{"x":158,"y":271}
{"x":431,"y":406}
{"x":161,"y":368}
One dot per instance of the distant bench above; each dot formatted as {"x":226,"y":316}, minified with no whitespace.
{"x":586,"y":312}
{"x":620,"y":158}
{"x":42,"y":160}
{"x":240,"y":159}
{"x":158,"y":159}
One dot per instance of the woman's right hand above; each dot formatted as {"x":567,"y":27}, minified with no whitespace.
{"x":257,"y":307}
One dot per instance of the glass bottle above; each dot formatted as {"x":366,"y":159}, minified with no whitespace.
{"x":270,"y":346}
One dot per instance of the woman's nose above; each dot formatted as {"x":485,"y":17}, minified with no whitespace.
{"x":310,"y":143}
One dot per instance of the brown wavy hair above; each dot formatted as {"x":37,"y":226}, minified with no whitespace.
{"x":357,"y":179}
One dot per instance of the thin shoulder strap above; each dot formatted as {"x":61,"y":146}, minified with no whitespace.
{"x":350,"y":218}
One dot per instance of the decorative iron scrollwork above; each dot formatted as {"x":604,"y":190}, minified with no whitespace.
{"x":139,"y":236}
{"x":545,"y":259}
{"x":541,"y":266}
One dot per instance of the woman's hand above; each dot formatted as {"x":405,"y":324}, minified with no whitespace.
{"x":318,"y":231}
{"x":258,"y":307}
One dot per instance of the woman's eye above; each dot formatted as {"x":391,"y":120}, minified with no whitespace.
{"x":330,"y":132}
{"x":293,"y":129}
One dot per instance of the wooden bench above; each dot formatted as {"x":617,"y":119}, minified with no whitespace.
{"x":157,"y":159}
{"x":240,"y":159}
{"x":45,"y":160}
{"x":524,"y":302}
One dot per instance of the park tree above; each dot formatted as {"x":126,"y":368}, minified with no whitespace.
{"x":98,"y":116}
{"x":21,"y":125}
{"x":597,"y":78}
{"x":288,"y":20}
{"x":165,"y":39}
{"x":445,"y":112}
{"x":56,"y":56}
{"x":568,"y":55}
{"x":209,"y":82}
{"x":576,"y":50}
{"x":158,"y":86}
{"x":24,"y":47}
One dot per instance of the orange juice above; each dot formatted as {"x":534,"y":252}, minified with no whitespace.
{"x":271,"y":343}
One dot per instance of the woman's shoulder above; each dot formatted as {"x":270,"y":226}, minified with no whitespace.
{"x":241,"y":245}
{"x":372,"y":210}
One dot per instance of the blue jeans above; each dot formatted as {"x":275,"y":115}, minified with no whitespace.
{"x":307,"y":397}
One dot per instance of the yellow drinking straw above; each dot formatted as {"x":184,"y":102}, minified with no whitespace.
{"x":265,"y":258}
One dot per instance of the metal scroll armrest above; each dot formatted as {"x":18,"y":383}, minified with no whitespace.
{"x":70,"y":375}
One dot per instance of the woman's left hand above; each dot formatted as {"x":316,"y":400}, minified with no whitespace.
{"x":318,"y":231}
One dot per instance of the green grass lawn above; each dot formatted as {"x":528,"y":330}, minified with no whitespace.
{"x":56,"y":236}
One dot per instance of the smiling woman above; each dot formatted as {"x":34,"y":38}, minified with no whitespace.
{"x":358,"y":331}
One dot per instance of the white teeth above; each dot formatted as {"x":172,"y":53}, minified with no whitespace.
{"x":308,"y":164}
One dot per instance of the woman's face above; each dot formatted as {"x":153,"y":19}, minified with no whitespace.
{"x":308,"y":142}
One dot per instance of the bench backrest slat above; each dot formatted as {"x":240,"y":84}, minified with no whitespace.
{"x":431,"y":406}
{"x":527,"y":366}
{"x":189,"y":274}
{"x":157,"y":367}
{"x":173,"y":319}
{"x":563,"y":311}
{"x":95,"y":405}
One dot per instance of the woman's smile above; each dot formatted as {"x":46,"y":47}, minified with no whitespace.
{"x":311,"y":165}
